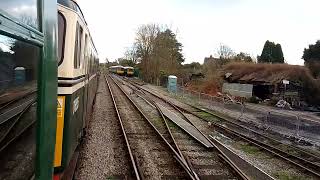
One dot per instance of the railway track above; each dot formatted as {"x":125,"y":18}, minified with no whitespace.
{"x":16,"y":106}
{"x":17,"y":137}
{"x":15,"y":118}
{"x":150,"y":153}
{"x":17,"y":144}
{"x":296,"y":156}
{"x":206,"y":162}
{"x":104,"y":141}
{"x":209,"y":163}
{"x":253,"y":131}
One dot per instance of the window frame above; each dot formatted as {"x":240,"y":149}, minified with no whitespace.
{"x":85,"y":47}
{"x":63,"y":38}
{"x":81,"y":47}
{"x":78,"y":46}
{"x":45,"y":38}
{"x":12,"y":27}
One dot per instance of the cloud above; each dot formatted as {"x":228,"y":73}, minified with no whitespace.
{"x":244,"y":25}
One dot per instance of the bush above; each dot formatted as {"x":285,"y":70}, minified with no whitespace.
{"x":254,"y":100}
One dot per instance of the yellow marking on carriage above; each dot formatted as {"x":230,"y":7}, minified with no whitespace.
{"x":59,"y":131}
{"x":120,"y":72}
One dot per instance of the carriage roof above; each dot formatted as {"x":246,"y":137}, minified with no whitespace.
{"x":111,"y":67}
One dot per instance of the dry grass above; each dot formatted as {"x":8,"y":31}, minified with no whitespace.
{"x":211,"y":84}
{"x":272,"y":73}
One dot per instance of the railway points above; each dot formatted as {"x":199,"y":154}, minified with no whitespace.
{"x":206,"y":167}
{"x":307,"y":157}
{"x":140,"y":136}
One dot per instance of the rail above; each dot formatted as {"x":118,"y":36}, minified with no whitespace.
{"x":222,"y":153}
{"x":307,"y":165}
{"x":296,"y":125}
{"x":133,"y":161}
{"x":183,"y":164}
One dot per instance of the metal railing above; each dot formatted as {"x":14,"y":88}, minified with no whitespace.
{"x":289,"y":123}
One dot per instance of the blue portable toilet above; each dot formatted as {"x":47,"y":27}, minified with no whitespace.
{"x":172,"y":84}
{"x":19,"y":75}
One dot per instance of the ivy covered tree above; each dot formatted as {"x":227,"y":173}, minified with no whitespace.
{"x":125,"y":62}
{"x":311,"y":58}
{"x":166,"y":44}
{"x":159,"y":52}
{"x":271,"y":53}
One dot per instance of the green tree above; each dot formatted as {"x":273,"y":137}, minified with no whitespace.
{"x":168,"y":42}
{"x":278,"y":54}
{"x":311,"y":58}
{"x":271,"y":53}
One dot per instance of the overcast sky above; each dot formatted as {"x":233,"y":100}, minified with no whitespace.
{"x":243,"y":25}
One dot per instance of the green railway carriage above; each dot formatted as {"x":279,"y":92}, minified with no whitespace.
{"x":46,"y":47}
{"x":28,"y":43}
{"x":77,"y":82}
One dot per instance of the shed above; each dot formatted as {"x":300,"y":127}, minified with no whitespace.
{"x":268,"y":79}
{"x":172,"y":83}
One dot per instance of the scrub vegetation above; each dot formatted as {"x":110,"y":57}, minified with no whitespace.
{"x":282,"y":175}
{"x":156,"y":53}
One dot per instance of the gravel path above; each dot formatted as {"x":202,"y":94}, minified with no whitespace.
{"x":104,"y":153}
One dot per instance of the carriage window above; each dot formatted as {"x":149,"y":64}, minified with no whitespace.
{"x":18,"y":93}
{"x":81,"y":47}
{"x":83,"y":55}
{"x":77,"y":51}
{"x":23,"y":10}
{"x":61,"y":36}
{"x":18,"y":66}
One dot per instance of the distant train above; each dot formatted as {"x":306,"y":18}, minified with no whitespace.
{"x":122,"y":71}
{"x":117,"y":70}
{"x":128,"y":71}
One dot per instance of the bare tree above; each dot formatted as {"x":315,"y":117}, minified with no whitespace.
{"x":132,"y":54}
{"x":144,"y":42}
{"x":225,"y":52}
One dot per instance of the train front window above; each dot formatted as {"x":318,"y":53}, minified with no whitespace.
{"x":23,"y":10}
{"x":61,"y":36}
